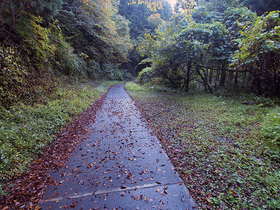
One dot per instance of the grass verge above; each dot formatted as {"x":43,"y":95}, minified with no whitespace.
{"x":25,"y":130}
{"x":217,"y":146}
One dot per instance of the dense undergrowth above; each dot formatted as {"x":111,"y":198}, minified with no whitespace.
{"x":226,"y":148}
{"x":26,"y":129}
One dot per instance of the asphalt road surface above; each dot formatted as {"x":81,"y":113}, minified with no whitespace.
{"x":121,"y":165}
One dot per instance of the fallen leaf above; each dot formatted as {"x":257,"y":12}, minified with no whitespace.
{"x":56,"y":194}
{"x":105,"y":172}
{"x":74,"y":204}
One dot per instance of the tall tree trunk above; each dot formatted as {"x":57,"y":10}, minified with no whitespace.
{"x":275,"y":86}
{"x":206,"y":74}
{"x":257,"y":83}
{"x":223,"y":74}
{"x":206,"y":85}
{"x":12,"y":15}
{"x":210,"y":76}
{"x":217,"y":79}
{"x":236,"y":77}
{"x":244,"y":77}
{"x":249,"y":78}
{"x":2,"y":21}
{"x":187,"y":78}
{"x":15,"y":9}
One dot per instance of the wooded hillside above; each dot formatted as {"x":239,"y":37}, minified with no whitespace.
{"x":208,"y":44}
{"x":45,"y":41}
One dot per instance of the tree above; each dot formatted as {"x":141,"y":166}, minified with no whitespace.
{"x":97,"y":33}
{"x":197,"y":44}
{"x":54,"y":39}
{"x":259,"y":54}
{"x":141,"y":21}
{"x":262,"y":6}
{"x":138,"y":15}
{"x":12,"y":10}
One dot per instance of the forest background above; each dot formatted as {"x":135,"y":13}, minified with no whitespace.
{"x":210,"y":43}
{"x":55,"y":53}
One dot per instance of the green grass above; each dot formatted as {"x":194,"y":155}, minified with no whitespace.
{"x":26,"y":129}
{"x":271,"y":126}
{"x":217,"y":145}
{"x":132,"y":86}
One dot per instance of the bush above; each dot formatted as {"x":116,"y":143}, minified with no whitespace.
{"x":146,"y":74}
{"x":271,"y":126}
{"x":122,"y":74}
{"x":132,"y":86}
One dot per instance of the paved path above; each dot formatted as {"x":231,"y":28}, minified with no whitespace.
{"x":121,"y":165}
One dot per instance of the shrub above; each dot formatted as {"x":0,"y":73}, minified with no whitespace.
{"x":118,"y":75}
{"x":132,"y":86}
{"x":271,"y":126}
{"x":146,"y":74}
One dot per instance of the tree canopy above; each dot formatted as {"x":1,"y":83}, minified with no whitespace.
{"x":202,"y":43}
{"x":214,"y":44}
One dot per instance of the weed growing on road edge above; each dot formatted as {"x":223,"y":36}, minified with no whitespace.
{"x":215,"y":144}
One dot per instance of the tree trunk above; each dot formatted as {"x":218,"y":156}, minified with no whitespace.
{"x":236,"y":77}
{"x":206,"y":85}
{"x":210,"y":76}
{"x":187,"y":78}
{"x":2,"y":21}
{"x":257,"y":83}
{"x":244,"y":78}
{"x":206,"y":74}
{"x":223,"y":74}
{"x":217,"y":79}
{"x":12,"y":15}
{"x":276,"y":84}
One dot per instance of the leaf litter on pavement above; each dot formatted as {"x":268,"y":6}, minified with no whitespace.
{"x":26,"y":190}
{"x":220,"y":159}
{"x":117,"y":159}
